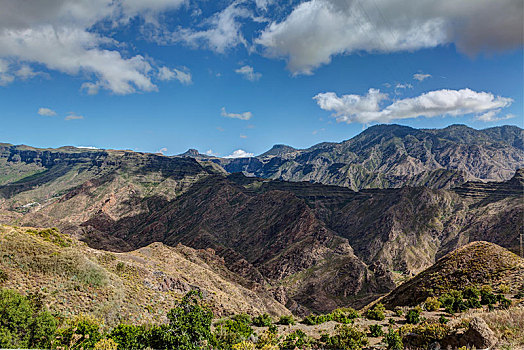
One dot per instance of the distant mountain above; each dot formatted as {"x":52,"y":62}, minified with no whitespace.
{"x":385,"y":156}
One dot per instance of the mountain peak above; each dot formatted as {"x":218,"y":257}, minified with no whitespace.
{"x":190,"y":153}
{"x":278,"y":150}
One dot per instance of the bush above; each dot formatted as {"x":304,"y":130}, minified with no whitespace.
{"x":189,"y":325}
{"x":263,"y":320}
{"x":503,"y":288}
{"x":504,"y":302}
{"x":376,"y":313}
{"x":391,"y":322}
{"x":130,"y":337}
{"x":24,"y":323}
{"x":453,"y":301}
{"x":393,"y":340}
{"x":399,"y":312}
{"x":471,"y":292}
{"x":342,"y":315}
{"x":427,"y":334}
{"x":230,"y":332}
{"x":286,"y":320}
{"x":345,"y":337}
{"x":106,"y":344}
{"x":487,"y":297}
{"x":296,"y":340}
{"x":413,"y":316}
{"x":81,"y":332}
{"x":432,"y":304}
{"x":375,"y":330}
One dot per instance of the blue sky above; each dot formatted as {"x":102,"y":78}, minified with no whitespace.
{"x":224,"y":76}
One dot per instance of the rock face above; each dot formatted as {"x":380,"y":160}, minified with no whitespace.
{"x":479,"y":335}
{"x":386,"y":156}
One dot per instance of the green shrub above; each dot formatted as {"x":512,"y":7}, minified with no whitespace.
{"x":232,"y":331}
{"x":375,"y":330}
{"x":296,"y":340}
{"x":504,"y":302}
{"x":399,"y":312}
{"x":453,"y":301}
{"x":24,"y":323}
{"x":432,"y":304}
{"x":189,"y":325}
{"x":130,"y":337}
{"x":345,"y":337}
{"x":393,"y":340}
{"x":286,"y":320}
{"x":427,"y":334}
{"x":471,"y":292}
{"x":413,"y":316}
{"x":263,"y":320}
{"x":376,"y":313}
{"x":82,"y":332}
{"x":392,"y":321}
{"x":487,"y":297}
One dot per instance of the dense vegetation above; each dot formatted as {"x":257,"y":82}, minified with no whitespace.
{"x":25,"y":323}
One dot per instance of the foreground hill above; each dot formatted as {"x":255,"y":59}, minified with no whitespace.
{"x":475,"y":264}
{"x":138,"y":286}
{"x":314,"y":247}
{"x":386,"y":156}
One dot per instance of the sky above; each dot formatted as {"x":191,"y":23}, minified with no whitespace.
{"x":233,"y":78}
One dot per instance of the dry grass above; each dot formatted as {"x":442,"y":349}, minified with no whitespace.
{"x":74,"y":278}
{"x":508,"y":325}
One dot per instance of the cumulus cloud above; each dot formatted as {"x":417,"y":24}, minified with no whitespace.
{"x":318,"y":29}
{"x":48,"y":112}
{"x":240,"y":153}
{"x":73,"y":116}
{"x":163,"y":150}
{"x":248,"y":73}
{"x":421,"y":76}
{"x":166,"y":74}
{"x":210,"y":152}
{"x":367,"y":108}
{"x":59,"y":35}
{"x":241,"y":116}
{"x":493,"y":116}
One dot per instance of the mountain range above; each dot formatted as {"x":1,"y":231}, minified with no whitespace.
{"x":334,"y":225}
{"x":386,"y":156}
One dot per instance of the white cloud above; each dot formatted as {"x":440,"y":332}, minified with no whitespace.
{"x":421,"y":76}
{"x":73,"y":116}
{"x":493,"y":116}
{"x":366,"y":109}
{"x":240,"y":153}
{"x":242,"y":136}
{"x":224,"y":30}
{"x":318,"y":29}
{"x":249,"y":73}
{"x":88,"y":147}
{"x":166,"y":74}
{"x":241,"y":116}
{"x":59,"y":35}
{"x":163,"y":150}
{"x":210,"y":152}
{"x":46,"y":112}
